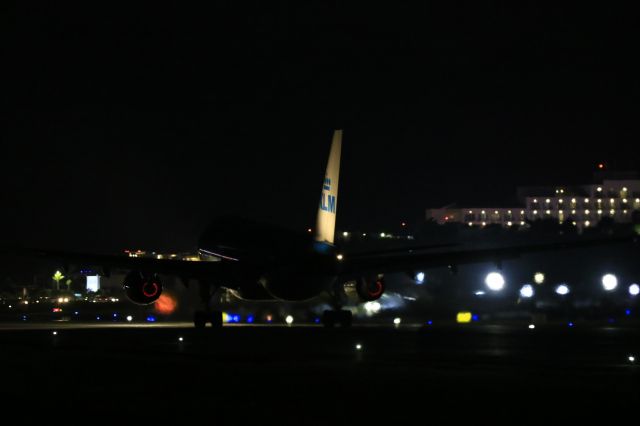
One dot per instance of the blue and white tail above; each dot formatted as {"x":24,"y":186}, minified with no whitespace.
{"x":326,"y":222}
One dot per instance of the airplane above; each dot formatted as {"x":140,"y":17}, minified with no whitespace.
{"x":257,"y":261}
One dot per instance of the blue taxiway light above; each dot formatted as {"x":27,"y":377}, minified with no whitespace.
{"x":627,"y":312}
{"x":250,"y":319}
{"x":151,"y":319}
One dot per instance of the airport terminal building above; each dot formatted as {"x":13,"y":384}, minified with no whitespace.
{"x":616,"y":196}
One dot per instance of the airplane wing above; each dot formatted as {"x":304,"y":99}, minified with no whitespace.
{"x":411,"y":260}
{"x":199,"y":270}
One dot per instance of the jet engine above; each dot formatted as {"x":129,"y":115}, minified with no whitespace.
{"x":365,"y":289}
{"x":141,"y":288}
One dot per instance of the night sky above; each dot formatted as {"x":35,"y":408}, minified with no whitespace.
{"x":127,"y":126}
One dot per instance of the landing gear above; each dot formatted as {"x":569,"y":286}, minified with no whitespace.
{"x":342,"y":317}
{"x":201,"y":318}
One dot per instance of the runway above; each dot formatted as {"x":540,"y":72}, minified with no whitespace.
{"x":310,"y":375}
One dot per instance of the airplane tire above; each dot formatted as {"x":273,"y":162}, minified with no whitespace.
{"x":345,"y":318}
{"x":216,"y":319}
{"x":200,"y":319}
{"x":329,"y":318}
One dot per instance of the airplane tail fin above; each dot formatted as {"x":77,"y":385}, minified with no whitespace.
{"x":326,"y":222}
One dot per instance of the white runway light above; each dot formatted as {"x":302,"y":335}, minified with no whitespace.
{"x":562,"y":289}
{"x":420,"y":278}
{"x":532,"y":326}
{"x":289,"y":320}
{"x":609,"y":282}
{"x":632,"y":358}
{"x":494,"y":281}
{"x":129,"y":318}
{"x":538,"y":278}
{"x":397,"y":321}
{"x":527,"y":291}
{"x":634,"y":289}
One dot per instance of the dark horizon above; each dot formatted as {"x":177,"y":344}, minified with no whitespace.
{"x":134,"y":128}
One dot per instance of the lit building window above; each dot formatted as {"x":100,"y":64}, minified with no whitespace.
{"x":547,"y":201}
{"x":612,"y":201}
{"x":625,"y":201}
{"x":612,"y":212}
{"x":586,"y":201}
{"x":560,"y":201}
{"x":587,"y":223}
{"x":548,"y":212}
{"x":573,"y":201}
{"x":535,"y":212}
{"x":573,"y":212}
{"x":599,"y":211}
{"x":587,"y":212}
{"x":535,"y":200}
{"x":599,"y":189}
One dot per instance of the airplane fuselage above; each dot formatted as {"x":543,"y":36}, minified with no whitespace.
{"x":277,"y":263}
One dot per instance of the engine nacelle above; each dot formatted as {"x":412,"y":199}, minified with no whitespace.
{"x":141,"y":288}
{"x":365,"y":289}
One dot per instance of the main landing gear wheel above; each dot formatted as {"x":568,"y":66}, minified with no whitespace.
{"x":342,"y":317}
{"x":201,"y":318}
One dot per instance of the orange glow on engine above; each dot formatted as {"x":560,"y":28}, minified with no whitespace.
{"x":165,"y":304}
